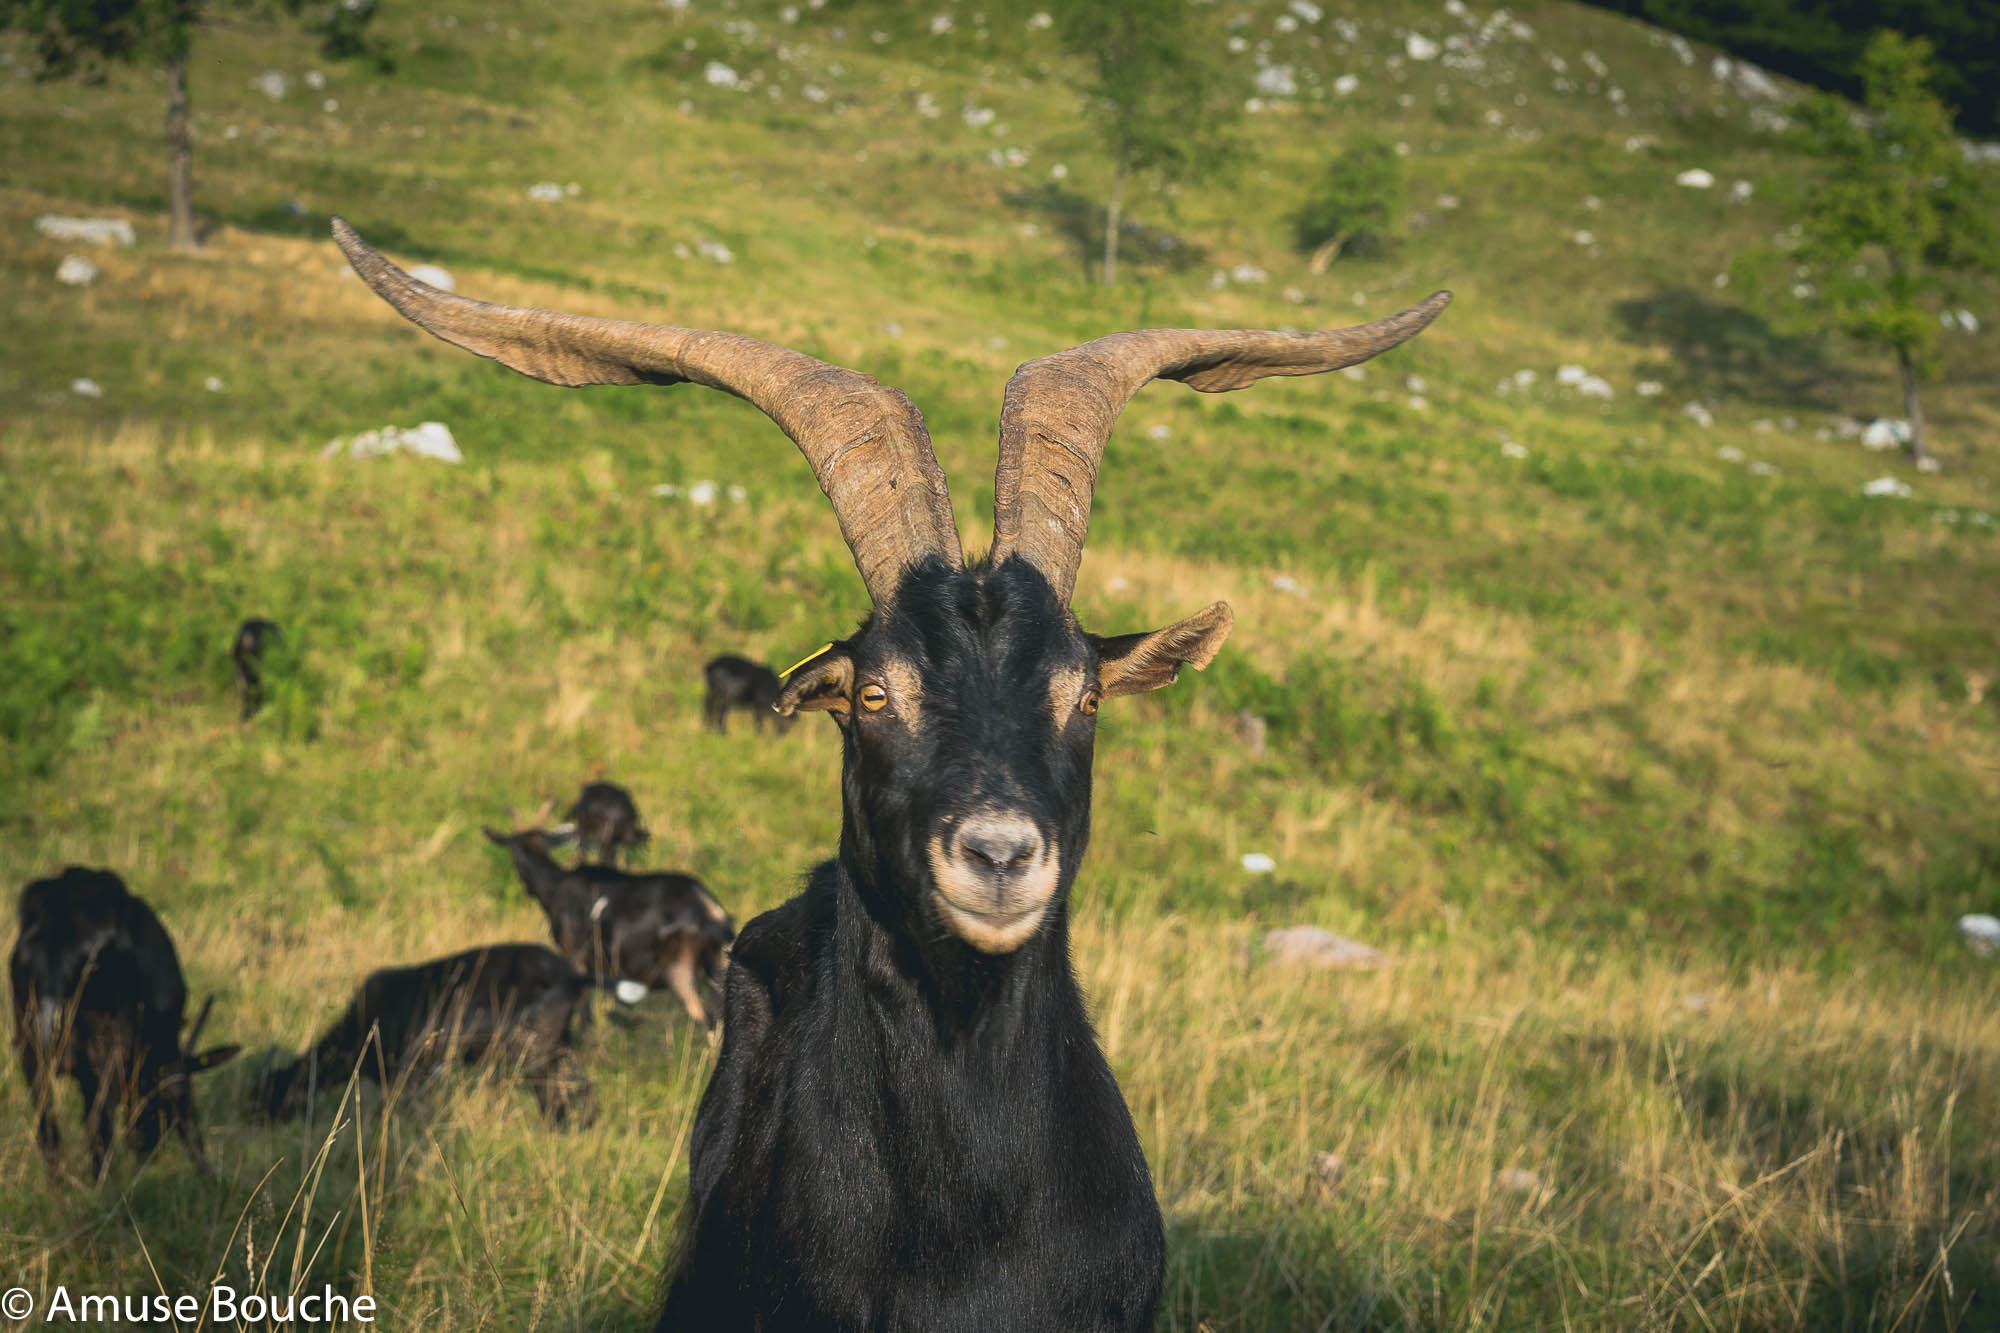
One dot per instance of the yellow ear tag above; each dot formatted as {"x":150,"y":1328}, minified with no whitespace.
{"x":818,"y":652}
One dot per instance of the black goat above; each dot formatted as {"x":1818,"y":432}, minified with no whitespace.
{"x":737,"y":682}
{"x":98,"y":995}
{"x":633,"y":933}
{"x":910,"y":1124}
{"x":605,"y":821}
{"x":514,"y":1001}
{"x":247,"y":651}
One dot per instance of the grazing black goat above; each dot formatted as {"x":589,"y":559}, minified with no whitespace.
{"x":605,"y":822}
{"x":247,"y":651}
{"x":98,"y":995}
{"x":910,"y":1124}
{"x":633,"y":933}
{"x":504,"y":1001}
{"x":737,"y":682}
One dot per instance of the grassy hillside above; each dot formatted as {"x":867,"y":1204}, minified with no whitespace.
{"x":1661,"y":777}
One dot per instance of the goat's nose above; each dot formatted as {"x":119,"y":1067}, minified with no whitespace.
{"x":999,"y":844}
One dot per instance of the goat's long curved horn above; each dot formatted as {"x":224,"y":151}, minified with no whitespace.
{"x":1059,"y":410}
{"x":866,"y":441}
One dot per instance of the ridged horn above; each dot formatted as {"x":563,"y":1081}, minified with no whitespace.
{"x":1059,"y":410}
{"x":866,"y":441}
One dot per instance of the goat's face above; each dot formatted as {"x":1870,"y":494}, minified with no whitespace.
{"x":969,"y":709}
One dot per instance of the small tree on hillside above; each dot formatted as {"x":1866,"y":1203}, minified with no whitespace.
{"x":79,"y":36}
{"x":1899,"y":215}
{"x":1158,"y":94}
{"x":1357,"y":203}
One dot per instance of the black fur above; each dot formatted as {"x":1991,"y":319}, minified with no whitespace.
{"x":660,"y":929}
{"x":606,"y":822}
{"x":98,"y":995}
{"x":511,"y":1000}
{"x":737,"y":682}
{"x":903,"y":1132}
{"x":247,"y":651}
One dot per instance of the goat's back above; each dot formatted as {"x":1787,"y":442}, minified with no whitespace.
{"x":87,"y":942}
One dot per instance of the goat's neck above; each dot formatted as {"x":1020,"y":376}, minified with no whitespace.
{"x":547,"y":883}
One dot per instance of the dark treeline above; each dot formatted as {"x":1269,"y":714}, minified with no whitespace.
{"x":1820,"y":41}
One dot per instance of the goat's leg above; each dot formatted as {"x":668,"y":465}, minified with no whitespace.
{"x":716,"y":709}
{"x":100,"y":1100}
{"x":35,"y":1070}
{"x":682,"y":969}
{"x":563,"y":1091}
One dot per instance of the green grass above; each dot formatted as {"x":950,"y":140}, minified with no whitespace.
{"x":1661,"y":781}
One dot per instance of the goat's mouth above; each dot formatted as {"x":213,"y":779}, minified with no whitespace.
{"x":995,"y":876}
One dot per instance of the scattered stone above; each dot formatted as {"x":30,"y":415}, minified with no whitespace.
{"x":1649,"y":388}
{"x":718,"y":75}
{"x":1277,"y":81}
{"x":1887,"y":488}
{"x":314,"y":80}
{"x":1697,"y":1003}
{"x":213,"y":384}
{"x":714,"y":250}
{"x":1593,"y":386}
{"x":1885,"y":433}
{"x":702,"y":493}
{"x":1981,"y":931}
{"x":1286,"y":583}
{"x":86,"y":388}
{"x":1418,"y":47}
{"x":435,"y":276}
{"x":1584,"y":238}
{"x":1740,"y":192}
{"x":547,"y":192}
{"x":1328,"y":1168}
{"x":1509,"y":449}
{"x":1570,"y":374}
{"x":92,"y":231}
{"x":272,"y":84}
{"x":1694,"y":178}
{"x":1345,"y":85}
{"x":1699,"y":415}
{"x":1928,"y":464}
{"x":1759,"y":468}
{"x":1258,"y":863}
{"x":1518,"y":1179}
{"x":1157,"y":432}
{"x":736,"y":494}
{"x":76,"y":271}
{"x":1729,"y":453}
{"x":432,"y":439}
{"x":1320,"y":948}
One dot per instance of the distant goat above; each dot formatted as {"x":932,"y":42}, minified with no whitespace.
{"x":605,"y":821}
{"x":247,"y":651}
{"x":910,"y":1124}
{"x":633,"y":933}
{"x":98,"y":995}
{"x":512,"y":1001}
{"x":737,"y":682}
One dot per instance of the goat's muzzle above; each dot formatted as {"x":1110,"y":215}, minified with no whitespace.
{"x":995,"y":875}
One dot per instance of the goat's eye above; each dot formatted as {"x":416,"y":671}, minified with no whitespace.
{"x":873,"y":697}
{"x":1087,"y":705}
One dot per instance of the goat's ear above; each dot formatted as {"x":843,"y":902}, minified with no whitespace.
{"x":818,"y":684}
{"x":1135,"y":663}
{"x":213,"y":1056}
{"x":498,"y":838}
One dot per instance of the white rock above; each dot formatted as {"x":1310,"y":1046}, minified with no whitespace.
{"x":1518,"y":1179}
{"x":1593,"y":386}
{"x":1584,"y":238}
{"x":76,"y":271}
{"x":1258,"y":863}
{"x":714,"y":250}
{"x":718,"y":75}
{"x":1523,"y":378}
{"x":1355,"y":373}
{"x":940,"y":24}
{"x":1570,"y":374}
{"x":1885,"y":433}
{"x":1888,"y":487}
{"x":1740,"y":192}
{"x":666,"y":490}
{"x":703,"y":492}
{"x":432,"y":439}
{"x":86,"y":388}
{"x":1419,"y":403}
{"x":1509,"y":449}
{"x":1762,"y":469}
{"x":1158,"y":433}
{"x":547,"y":192}
{"x":1649,"y":388}
{"x":1928,"y":464}
{"x":1699,"y":415}
{"x":1418,"y":47}
{"x":1729,"y":453}
{"x":213,"y":384}
{"x":1247,"y":273}
{"x":1060,"y":171}
{"x":314,"y":80}
{"x":736,"y":494}
{"x":1040,"y":19}
{"x":1694,"y":178}
{"x":435,"y":276}
{"x":1277,"y":81}
{"x":1283,"y":583}
{"x":1981,"y":931}
{"x":272,"y":84}
{"x":93,"y":231}
{"x":1320,"y":948}
{"x":978,"y":117}
{"x":1345,"y":84}
{"x":1415,"y":384}
{"x":1306,"y":10}
{"x":629,"y":992}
